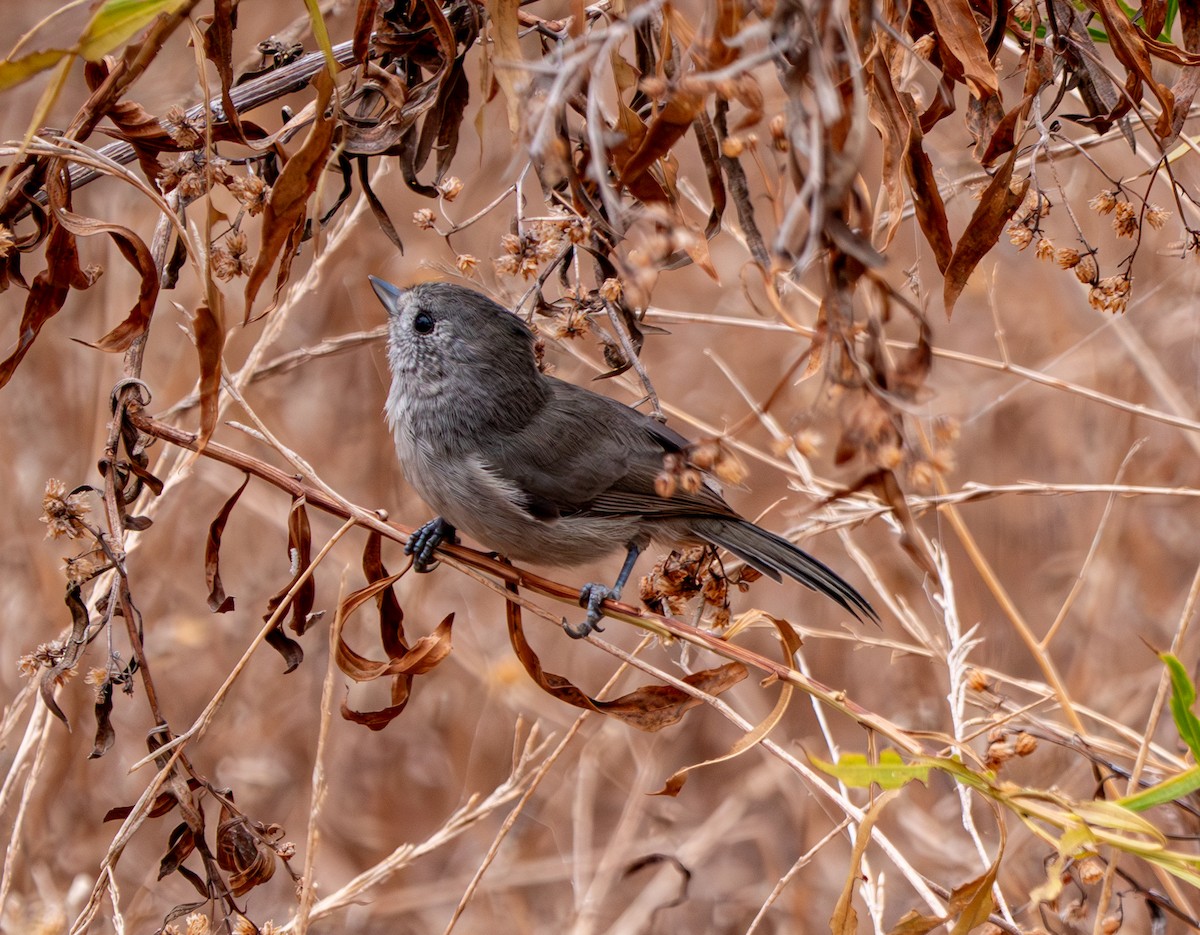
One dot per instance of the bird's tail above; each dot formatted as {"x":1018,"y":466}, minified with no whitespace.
{"x":775,"y":556}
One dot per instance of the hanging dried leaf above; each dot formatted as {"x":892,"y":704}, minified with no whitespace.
{"x":287,"y":205}
{"x":218,"y":602}
{"x":650,"y":708}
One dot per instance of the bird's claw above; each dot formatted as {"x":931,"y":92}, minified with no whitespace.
{"x":591,"y":596}
{"x":424,"y":542}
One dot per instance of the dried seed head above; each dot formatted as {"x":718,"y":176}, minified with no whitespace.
{"x":653,"y":87}
{"x":423,"y":218}
{"x":809,"y":442}
{"x":1156,"y":217}
{"x":62,"y":512}
{"x":1025,"y":744}
{"x":7,"y":241}
{"x":665,"y":484}
{"x":230,"y":259}
{"x":570,"y":324}
{"x":1086,"y":269}
{"x":779,"y":137}
{"x":1125,"y":221}
{"x":198,"y":924}
{"x":1104,"y":203}
{"x":946,"y":429}
{"x":610,"y":290}
{"x":507,"y":265}
{"x":182,"y":130}
{"x":1044,"y":250}
{"x":251,"y":192}
{"x":450,"y":187}
{"x":466,"y":263}
{"x":1067,"y":257}
{"x":1020,"y":236}
{"x":977,"y":681}
{"x":704,"y":454}
{"x":733,"y":146}
{"x":690,"y":480}
{"x":729,"y":467}
{"x":920,"y":474}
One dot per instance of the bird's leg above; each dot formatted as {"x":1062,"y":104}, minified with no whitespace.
{"x":422,"y":543}
{"x":592,"y":595}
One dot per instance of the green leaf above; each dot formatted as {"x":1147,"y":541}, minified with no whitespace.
{"x":891,"y":772}
{"x":1183,"y":697}
{"x":117,"y":21}
{"x":1169,"y":790}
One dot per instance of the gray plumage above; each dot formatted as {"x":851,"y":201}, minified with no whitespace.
{"x":539,"y":469}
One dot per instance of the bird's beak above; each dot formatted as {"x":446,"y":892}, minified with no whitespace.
{"x":388,"y":294}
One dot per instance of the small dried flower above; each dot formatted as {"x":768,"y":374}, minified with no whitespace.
{"x":1020,"y":236}
{"x":1044,"y":249}
{"x":779,"y":137}
{"x":28,"y":665}
{"x":466,"y":263}
{"x":1023,"y":11}
{"x":507,"y":265}
{"x":1156,"y":217}
{"x":1025,"y":744}
{"x":729,"y":468}
{"x":977,"y":681}
{"x":197,"y":924}
{"x":512,"y":244}
{"x":1086,"y":270}
{"x":1104,"y":203}
{"x":732,"y":146}
{"x":450,"y":187}
{"x":690,"y":480}
{"x":182,"y":130}
{"x":610,"y":290}
{"x":423,"y":218}
{"x":96,"y":676}
{"x":889,"y":456}
{"x":62,"y":512}
{"x":1067,"y":257}
{"x":1110,"y":294}
{"x":665,"y":484}
{"x":653,"y":87}
{"x":809,"y":442}
{"x":571,"y":324}
{"x":943,"y":461}
{"x":946,"y":429}
{"x":578,"y":230}
{"x":920,"y":474}
{"x":229,"y":260}
{"x":1112,"y":923}
{"x":7,"y":241}
{"x":704,"y":454}
{"x":251,"y":191}
{"x":244,"y":926}
{"x":80,"y":569}
{"x":1125,"y":221}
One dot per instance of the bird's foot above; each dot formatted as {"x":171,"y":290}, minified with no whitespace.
{"x":422,"y":543}
{"x":591,"y":596}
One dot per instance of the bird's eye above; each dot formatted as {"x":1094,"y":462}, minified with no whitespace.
{"x":422,"y":323}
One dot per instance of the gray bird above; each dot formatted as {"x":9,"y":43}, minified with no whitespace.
{"x":539,"y":469}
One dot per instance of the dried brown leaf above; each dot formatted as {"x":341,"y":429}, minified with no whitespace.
{"x":649,"y":708}
{"x":996,"y":207}
{"x":218,"y":602}
{"x":287,"y":205}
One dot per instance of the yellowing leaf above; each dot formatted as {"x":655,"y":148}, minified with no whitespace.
{"x":118,"y":20}
{"x":22,"y":69}
{"x":891,"y":772}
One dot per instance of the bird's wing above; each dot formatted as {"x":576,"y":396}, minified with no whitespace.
{"x":584,"y":452}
